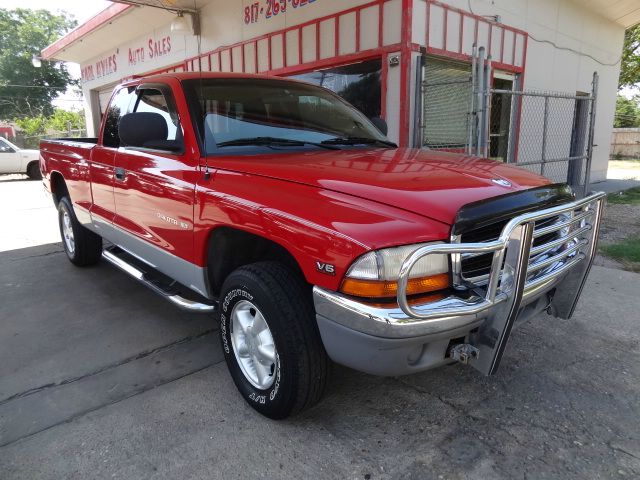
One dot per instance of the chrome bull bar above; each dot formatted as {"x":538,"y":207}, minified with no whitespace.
{"x":518,"y":234}
{"x":518,"y":270}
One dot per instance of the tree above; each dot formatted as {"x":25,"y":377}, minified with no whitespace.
{"x":24,"y":89}
{"x":630,"y":66}
{"x":63,"y":120}
{"x":32,"y":129}
{"x":32,"y":126}
{"x":627,"y":113}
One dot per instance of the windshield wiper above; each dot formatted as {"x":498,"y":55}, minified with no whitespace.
{"x":358,"y":141}
{"x":274,"y":141}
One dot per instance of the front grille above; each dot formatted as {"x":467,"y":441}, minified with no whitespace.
{"x":556,"y":238}
{"x":477,"y":266}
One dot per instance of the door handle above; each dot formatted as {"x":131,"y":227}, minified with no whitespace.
{"x":120,"y":173}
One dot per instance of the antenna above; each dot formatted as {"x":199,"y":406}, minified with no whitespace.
{"x":207,"y":174}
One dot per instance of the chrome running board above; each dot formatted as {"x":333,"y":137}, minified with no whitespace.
{"x":178,"y":300}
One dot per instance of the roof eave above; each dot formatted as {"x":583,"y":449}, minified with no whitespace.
{"x":94,"y":23}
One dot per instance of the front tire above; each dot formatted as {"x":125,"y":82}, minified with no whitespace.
{"x":82,"y":246}
{"x":270,"y":339}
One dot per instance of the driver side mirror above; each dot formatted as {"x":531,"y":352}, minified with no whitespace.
{"x":380,"y":124}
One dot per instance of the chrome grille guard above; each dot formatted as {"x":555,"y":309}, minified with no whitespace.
{"x":519,"y":273}
{"x":517,"y":269}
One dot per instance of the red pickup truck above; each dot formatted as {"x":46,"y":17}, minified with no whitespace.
{"x":284,"y":211}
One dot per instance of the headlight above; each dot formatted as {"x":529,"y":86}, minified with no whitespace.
{"x":375,"y":274}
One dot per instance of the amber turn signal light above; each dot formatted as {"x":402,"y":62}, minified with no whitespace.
{"x":388,"y":289}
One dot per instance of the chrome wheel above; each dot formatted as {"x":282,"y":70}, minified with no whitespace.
{"x":67,"y":232}
{"x":253,"y":345}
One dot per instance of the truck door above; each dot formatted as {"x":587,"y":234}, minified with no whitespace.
{"x":103,"y":157}
{"x":154,"y":186}
{"x":9,"y":157}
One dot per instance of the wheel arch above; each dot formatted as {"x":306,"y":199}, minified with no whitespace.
{"x":58,"y":186}
{"x":229,"y":248}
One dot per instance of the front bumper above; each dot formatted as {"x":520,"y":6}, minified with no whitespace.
{"x":523,"y":281}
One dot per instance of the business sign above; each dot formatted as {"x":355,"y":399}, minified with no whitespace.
{"x":260,"y":17}
{"x":265,"y":10}
{"x":102,"y":67}
{"x":152,"y":48}
{"x":149,"y":52}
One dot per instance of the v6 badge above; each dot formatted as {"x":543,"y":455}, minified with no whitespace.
{"x":326,"y":268}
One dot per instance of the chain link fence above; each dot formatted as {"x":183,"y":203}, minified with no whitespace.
{"x":545,"y":132}
{"x":549,"y":133}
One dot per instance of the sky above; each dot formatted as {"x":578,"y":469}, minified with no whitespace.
{"x":630,"y":92}
{"x":82,"y":10}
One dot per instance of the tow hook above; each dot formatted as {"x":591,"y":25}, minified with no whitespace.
{"x":464,"y":353}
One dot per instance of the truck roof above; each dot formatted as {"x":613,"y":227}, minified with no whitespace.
{"x":199,"y":75}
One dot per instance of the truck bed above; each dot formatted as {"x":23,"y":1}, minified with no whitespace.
{"x":71,"y":148}
{"x":65,"y":140}
{"x":70,"y":158}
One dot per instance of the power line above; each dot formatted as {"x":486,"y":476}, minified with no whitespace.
{"x":9,"y":97}
{"x":32,"y":86}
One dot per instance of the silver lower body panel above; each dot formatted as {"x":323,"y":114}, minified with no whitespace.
{"x":187,"y":273}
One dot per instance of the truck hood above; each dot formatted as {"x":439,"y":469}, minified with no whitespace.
{"x":425,"y":182}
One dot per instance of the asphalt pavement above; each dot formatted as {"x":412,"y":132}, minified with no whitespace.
{"x":100,"y":378}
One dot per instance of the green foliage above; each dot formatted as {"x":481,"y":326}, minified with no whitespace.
{"x":62,"y":120}
{"x":58,"y":123}
{"x":33,"y":129}
{"x":630,"y":67}
{"x":32,"y":126}
{"x":23,"y":34}
{"x":627,"y":113}
{"x":627,"y":251}
{"x":631,"y":196}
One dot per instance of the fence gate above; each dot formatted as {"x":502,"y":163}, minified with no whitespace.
{"x":549,"y":133}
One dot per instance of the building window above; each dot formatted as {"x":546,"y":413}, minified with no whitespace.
{"x":446,"y":104}
{"x":358,"y":84}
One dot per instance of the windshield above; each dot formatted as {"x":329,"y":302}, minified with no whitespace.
{"x":6,"y":145}
{"x":250,"y":113}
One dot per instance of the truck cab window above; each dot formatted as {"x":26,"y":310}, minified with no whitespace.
{"x":5,"y":147}
{"x":118,"y":108}
{"x":154,"y":101}
{"x":247,"y":114}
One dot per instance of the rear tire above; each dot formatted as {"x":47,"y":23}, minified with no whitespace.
{"x":271,"y":341}
{"x":82,"y":246}
{"x":33,"y":171}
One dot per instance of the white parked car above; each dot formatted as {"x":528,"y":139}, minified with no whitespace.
{"x":16,"y":160}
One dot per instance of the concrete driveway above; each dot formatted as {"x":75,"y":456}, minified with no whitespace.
{"x":99,"y":378}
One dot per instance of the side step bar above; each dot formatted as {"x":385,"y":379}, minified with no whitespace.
{"x":179,"y":301}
